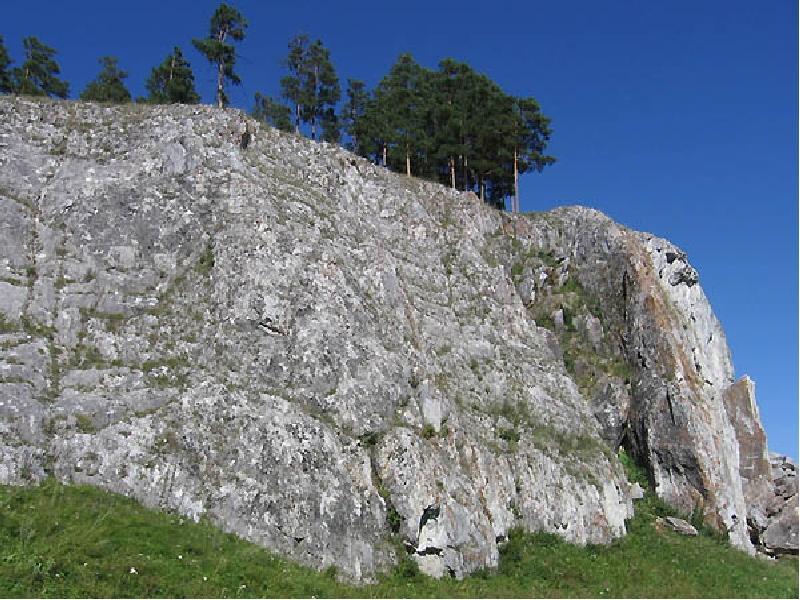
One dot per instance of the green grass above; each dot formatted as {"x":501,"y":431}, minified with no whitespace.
{"x":78,"y":541}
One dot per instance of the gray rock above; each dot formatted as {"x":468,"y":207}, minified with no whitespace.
{"x":780,"y":537}
{"x":636,"y":491}
{"x":313,"y":352}
{"x":679,"y":525}
{"x":754,"y":466}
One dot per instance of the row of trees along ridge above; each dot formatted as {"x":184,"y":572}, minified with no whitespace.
{"x":452,"y":125}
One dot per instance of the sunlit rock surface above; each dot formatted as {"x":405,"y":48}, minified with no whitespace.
{"x":327,"y":358}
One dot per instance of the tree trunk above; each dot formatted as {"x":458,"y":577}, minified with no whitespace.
{"x":297,"y":119}
{"x":316,"y":103}
{"x":408,"y":162}
{"x":221,"y":70}
{"x":481,"y":188}
{"x":452,"y":173}
{"x":515,"y":208}
{"x":220,"y":84}
{"x":384,"y":155}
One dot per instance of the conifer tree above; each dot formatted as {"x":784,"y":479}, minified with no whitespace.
{"x":353,"y":110}
{"x":455,"y":126}
{"x":402,"y":92}
{"x":274,"y":113}
{"x":172,"y":82}
{"x":5,"y":75}
{"x":108,"y":86}
{"x":37,"y":75}
{"x":226,"y":24}
{"x":530,"y":134}
{"x":312,"y":86}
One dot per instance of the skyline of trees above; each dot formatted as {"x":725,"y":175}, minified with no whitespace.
{"x":452,"y":124}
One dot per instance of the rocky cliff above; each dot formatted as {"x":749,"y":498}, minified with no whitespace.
{"x":327,"y":358}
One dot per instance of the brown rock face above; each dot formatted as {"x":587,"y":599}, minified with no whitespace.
{"x":754,"y":467}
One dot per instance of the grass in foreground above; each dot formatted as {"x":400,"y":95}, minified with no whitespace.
{"x":69,"y":541}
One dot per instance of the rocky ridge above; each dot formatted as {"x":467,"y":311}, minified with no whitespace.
{"x":327,"y":358}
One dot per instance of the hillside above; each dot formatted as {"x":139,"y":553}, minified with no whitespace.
{"x":326,"y":358}
{"x":81,"y":542}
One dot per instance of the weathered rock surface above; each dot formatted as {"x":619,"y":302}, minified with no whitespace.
{"x":677,"y":525}
{"x":319,"y":355}
{"x":779,"y":535}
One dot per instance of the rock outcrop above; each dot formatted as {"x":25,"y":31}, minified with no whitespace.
{"x":325,"y":358}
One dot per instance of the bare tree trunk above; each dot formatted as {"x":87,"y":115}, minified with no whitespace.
{"x":384,"y":155}
{"x":452,"y":173}
{"x":221,"y":72}
{"x":408,"y":162}
{"x":220,"y":84}
{"x":481,"y":188}
{"x":515,"y":208}
{"x":297,"y":119}
{"x":314,"y":109}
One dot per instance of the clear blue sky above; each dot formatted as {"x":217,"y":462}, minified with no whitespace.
{"x":678,"y":118}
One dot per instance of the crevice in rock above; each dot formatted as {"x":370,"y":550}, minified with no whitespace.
{"x":431,"y":512}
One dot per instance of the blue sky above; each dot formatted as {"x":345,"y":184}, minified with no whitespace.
{"x":679,"y":118}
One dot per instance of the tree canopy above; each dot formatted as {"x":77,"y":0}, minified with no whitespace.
{"x":272,"y":112}
{"x":312,"y":87}
{"x":37,"y":76}
{"x":172,"y":82}
{"x":109,"y":84}
{"x":227,"y":23}
{"x":453,"y":125}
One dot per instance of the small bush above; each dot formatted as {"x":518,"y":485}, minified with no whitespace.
{"x":206,"y":261}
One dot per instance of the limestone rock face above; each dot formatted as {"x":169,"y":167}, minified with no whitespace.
{"x":779,"y":535}
{"x":327,"y":358}
{"x":754,"y":466}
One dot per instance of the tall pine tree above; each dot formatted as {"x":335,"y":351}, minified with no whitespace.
{"x":352,"y":111}
{"x":108,"y":86}
{"x":402,"y":91}
{"x":37,"y":76}
{"x":5,"y":75}
{"x":312,"y":87}
{"x":226,"y":24}
{"x":172,"y":82}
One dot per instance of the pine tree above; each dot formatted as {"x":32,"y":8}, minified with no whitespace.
{"x":292,"y":84}
{"x":272,"y":112}
{"x":108,"y":86}
{"x":530,"y":135}
{"x":37,"y":75}
{"x":401,"y":91}
{"x":172,"y":82}
{"x":372,"y":131}
{"x":353,"y":110}
{"x":226,"y":23}
{"x":5,"y":75}
{"x":312,"y":87}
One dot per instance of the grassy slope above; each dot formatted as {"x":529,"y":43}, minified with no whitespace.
{"x":62,"y":541}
